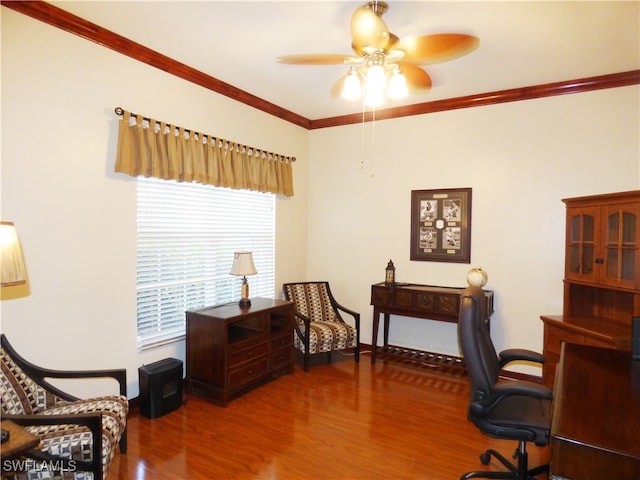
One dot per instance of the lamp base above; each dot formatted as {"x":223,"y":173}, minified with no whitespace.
{"x":244,"y":303}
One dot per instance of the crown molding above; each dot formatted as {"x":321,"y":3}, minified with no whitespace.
{"x":503,"y":96}
{"x":68,"y":22}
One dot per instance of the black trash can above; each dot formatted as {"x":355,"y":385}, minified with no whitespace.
{"x":160,"y":387}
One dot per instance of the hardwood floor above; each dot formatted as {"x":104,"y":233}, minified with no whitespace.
{"x":339,"y":421}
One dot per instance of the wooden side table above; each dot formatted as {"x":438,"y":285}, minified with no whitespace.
{"x":231,"y":349}
{"x":19,"y":440}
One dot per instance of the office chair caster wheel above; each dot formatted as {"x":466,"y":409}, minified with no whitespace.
{"x":485,"y":458}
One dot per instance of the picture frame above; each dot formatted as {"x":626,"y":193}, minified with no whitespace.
{"x":441,"y":225}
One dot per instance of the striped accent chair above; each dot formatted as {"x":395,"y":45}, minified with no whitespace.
{"x":319,"y":324}
{"x":78,"y":438}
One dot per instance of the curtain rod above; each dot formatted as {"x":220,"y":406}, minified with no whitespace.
{"x":120,"y":111}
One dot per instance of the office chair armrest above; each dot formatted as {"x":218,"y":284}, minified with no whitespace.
{"x":523,"y":388}
{"x":519,"y":354}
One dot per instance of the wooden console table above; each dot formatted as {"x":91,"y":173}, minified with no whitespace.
{"x":419,"y":301}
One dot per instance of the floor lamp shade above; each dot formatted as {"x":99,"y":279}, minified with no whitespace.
{"x":12,"y":267}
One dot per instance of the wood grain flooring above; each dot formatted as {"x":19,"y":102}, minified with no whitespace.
{"x":340,"y":421}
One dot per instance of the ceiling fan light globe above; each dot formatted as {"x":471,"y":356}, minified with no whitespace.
{"x":351,"y":87}
{"x":397,"y":86}
{"x":375,"y":82}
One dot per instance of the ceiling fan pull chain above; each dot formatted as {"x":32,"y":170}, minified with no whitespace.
{"x":364,"y":140}
{"x":372,"y":172}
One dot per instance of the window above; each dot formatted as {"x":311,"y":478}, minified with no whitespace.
{"x":187,"y":234}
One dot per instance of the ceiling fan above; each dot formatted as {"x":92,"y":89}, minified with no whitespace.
{"x":383,"y":63}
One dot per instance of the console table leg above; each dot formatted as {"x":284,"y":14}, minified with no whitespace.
{"x":374,"y":339}
{"x":387,"y":320}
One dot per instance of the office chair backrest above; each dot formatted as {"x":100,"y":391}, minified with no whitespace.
{"x":478,"y":350}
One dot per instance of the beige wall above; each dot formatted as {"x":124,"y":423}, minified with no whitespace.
{"x":519,"y":158}
{"x":77,"y":223}
{"x":76,"y":218}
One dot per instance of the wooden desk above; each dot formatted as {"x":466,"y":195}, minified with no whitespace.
{"x":419,"y":301}
{"x":584,"y":330}
{"x":595,"y":430}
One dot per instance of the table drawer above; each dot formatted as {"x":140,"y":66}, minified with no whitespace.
{"x":284,"y":340}
{"x":248,"y":354}
{"x":281,"y":357}
{"x":247,"y":372}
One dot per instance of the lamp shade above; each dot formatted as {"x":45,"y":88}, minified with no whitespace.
{"x":243,"y":264}
{"x":12,"y":268}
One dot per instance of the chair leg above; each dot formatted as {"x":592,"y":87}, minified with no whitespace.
{"x":123,"y":441}
{"x":485,"y":458}
{"x":357,"y":353}
{"x":306,"y":358}
{"x":519,"y":472}
{"x":534,"y":472}
{"x":506,"y":475}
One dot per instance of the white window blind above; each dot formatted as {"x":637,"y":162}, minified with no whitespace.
{"x":187,"y":234}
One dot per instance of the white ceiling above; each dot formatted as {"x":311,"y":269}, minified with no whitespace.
{"x":521,"y":43}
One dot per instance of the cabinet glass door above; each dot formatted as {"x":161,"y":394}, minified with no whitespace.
{"x":621,"y":244}
{"x":581,"y":244}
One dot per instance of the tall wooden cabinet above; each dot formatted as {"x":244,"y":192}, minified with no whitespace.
{"x":602,"y":276}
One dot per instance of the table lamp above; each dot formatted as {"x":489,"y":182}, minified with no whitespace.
{"x":243,"y":265}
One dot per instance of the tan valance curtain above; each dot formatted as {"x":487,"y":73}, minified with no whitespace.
{"x":156,"y":149}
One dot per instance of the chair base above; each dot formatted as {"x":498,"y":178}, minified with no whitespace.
{"x":516,"y":472}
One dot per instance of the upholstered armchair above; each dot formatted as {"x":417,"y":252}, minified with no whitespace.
{"x":319,"y":324}
{"x":77,"y":436}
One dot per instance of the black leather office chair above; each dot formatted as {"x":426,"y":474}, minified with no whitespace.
{"x":505,"y":409}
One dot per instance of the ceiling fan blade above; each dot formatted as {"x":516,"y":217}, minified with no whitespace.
{"x":368,"y":29}
{"x":317,"y":59}
{"x":441,"y":47}
{"x":417,"y":79}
